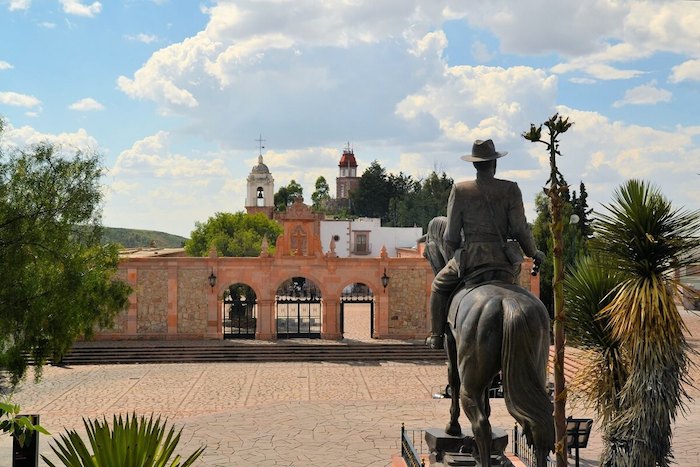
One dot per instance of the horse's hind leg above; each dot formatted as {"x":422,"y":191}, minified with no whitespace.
{"x":476,"y":407}
{"x":453,"y":427}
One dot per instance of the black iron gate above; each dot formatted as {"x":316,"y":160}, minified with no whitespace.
{"x":298,"y":309}
{"x":357,"y":293}
{"x":298,"y":317}
{"x":240,"y":318}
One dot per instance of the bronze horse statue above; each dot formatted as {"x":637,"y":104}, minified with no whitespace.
{"x":496,"y":327}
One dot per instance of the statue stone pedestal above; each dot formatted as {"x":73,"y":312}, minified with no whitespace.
{"x":457,"y":450}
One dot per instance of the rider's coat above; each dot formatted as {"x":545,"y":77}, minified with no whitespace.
{"x":469,"y":211}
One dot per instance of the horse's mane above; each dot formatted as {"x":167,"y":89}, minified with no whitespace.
{"x":435,"y":243}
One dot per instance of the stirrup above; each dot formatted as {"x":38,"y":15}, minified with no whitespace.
{"x":435,"y":342}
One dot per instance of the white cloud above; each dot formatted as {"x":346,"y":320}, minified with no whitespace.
{"x":19,"y":5}
{"x":141,"y":37}
{"x":577,"y":80}
{"x":686,"y":71}
{"x":5,"y":65}
{"x":86,"y":104}
{"x":18,"y":100}
{"x":151,"y":157}
{"x":26,"y":136}
{"x":482,"y":102}
{"x":47,"y":25}
{"x":645,"y":94}
{"x":76,"y":7}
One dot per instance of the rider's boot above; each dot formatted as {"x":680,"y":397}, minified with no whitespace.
{"x":438,"y":320}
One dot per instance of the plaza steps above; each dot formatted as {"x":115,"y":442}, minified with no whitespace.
{"x":147,"y":352}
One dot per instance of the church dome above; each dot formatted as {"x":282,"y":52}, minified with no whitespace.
{"x":261,"y":168}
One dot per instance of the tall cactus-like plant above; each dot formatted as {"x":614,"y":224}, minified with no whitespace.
{"x":556,"y":190}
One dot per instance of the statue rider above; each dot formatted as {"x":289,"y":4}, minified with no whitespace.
{"x":483,"y":214}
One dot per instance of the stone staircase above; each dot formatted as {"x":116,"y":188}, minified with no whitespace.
{"x":95,"y":353}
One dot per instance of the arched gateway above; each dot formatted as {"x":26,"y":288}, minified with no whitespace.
{"x":176,"y":297}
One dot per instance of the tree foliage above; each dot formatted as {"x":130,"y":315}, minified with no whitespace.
{"x":233,"y":234}
{"x":321,"y":196}
{"x":286,"y":195}
{"x":575,"y":237}
{"x":401,"y":200}
{"x":58,"y":281}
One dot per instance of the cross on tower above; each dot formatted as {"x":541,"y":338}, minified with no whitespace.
{"x":260,"y":146}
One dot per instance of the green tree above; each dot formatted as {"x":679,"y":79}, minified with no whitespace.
{"x":371,"y":198}
{"x":286,"y":195}
{"x":321,"y":196}
{"x":58,"y":281}
{"x":238,"y":234}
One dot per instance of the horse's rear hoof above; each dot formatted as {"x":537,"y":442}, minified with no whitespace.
{"x":453,"y":429}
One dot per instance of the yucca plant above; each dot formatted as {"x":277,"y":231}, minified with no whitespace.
{"x":588,"y":288}
{"x":129,"y":442}
{"x":644,"y":239}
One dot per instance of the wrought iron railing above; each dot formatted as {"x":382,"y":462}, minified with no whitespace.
{"x":408,"y":449}
{"x":525,"y":452}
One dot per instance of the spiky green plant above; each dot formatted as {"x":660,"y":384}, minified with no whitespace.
{"x":131,"y":442}
{"x":588,"y":288}
{"x":643,"y":238}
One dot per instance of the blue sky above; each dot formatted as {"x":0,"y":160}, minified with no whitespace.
{"x":174,"y":94}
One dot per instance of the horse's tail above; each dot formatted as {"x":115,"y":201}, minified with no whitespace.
{"x":524,"y":353}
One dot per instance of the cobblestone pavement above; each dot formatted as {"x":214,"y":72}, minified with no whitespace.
{"x":281,"y":414}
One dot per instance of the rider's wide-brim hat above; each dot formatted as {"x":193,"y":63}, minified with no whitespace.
{"x":483,"y":151}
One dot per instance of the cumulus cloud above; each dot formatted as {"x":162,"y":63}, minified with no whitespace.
{"x":686,"y":71}
{"x":151,"y":157}
{"x":26,"y":136}
{"x":77,"y":8}
{"x":16,"y":99}
{"x":86,"y":104}
{"x":482,"y":102}
{"x":19,"y":5}
{"x":645,"y":94}
{"x":5,"y":65}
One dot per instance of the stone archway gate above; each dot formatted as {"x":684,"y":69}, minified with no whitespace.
{"x":172,"y":297}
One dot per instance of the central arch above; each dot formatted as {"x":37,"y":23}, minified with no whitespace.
{"x":298,"y":309}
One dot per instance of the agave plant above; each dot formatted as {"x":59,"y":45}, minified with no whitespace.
{"x":642,"y":238}
{"x":134,"y":442}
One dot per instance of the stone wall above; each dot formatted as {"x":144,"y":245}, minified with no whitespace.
{"x":191,"y":302}
{"x":152,"y":298}
{"x":408,"y":314}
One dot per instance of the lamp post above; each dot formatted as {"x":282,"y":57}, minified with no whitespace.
{"x":385,"y":280}
{"x":212,"y":280}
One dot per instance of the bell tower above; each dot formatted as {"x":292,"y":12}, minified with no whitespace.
{"x":347,"y":180}
{"x":260,"y":189}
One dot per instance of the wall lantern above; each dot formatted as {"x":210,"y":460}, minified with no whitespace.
{"x":385,"y":280}
{"x":212,"y":279}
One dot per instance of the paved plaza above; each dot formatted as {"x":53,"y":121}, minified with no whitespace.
{"x":280,"y":414}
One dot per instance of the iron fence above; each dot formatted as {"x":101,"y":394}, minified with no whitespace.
{"x":525,"y":452}
{"x":409,"y":453}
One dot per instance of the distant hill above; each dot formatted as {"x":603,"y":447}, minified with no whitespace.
{"x":135,"y":238}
